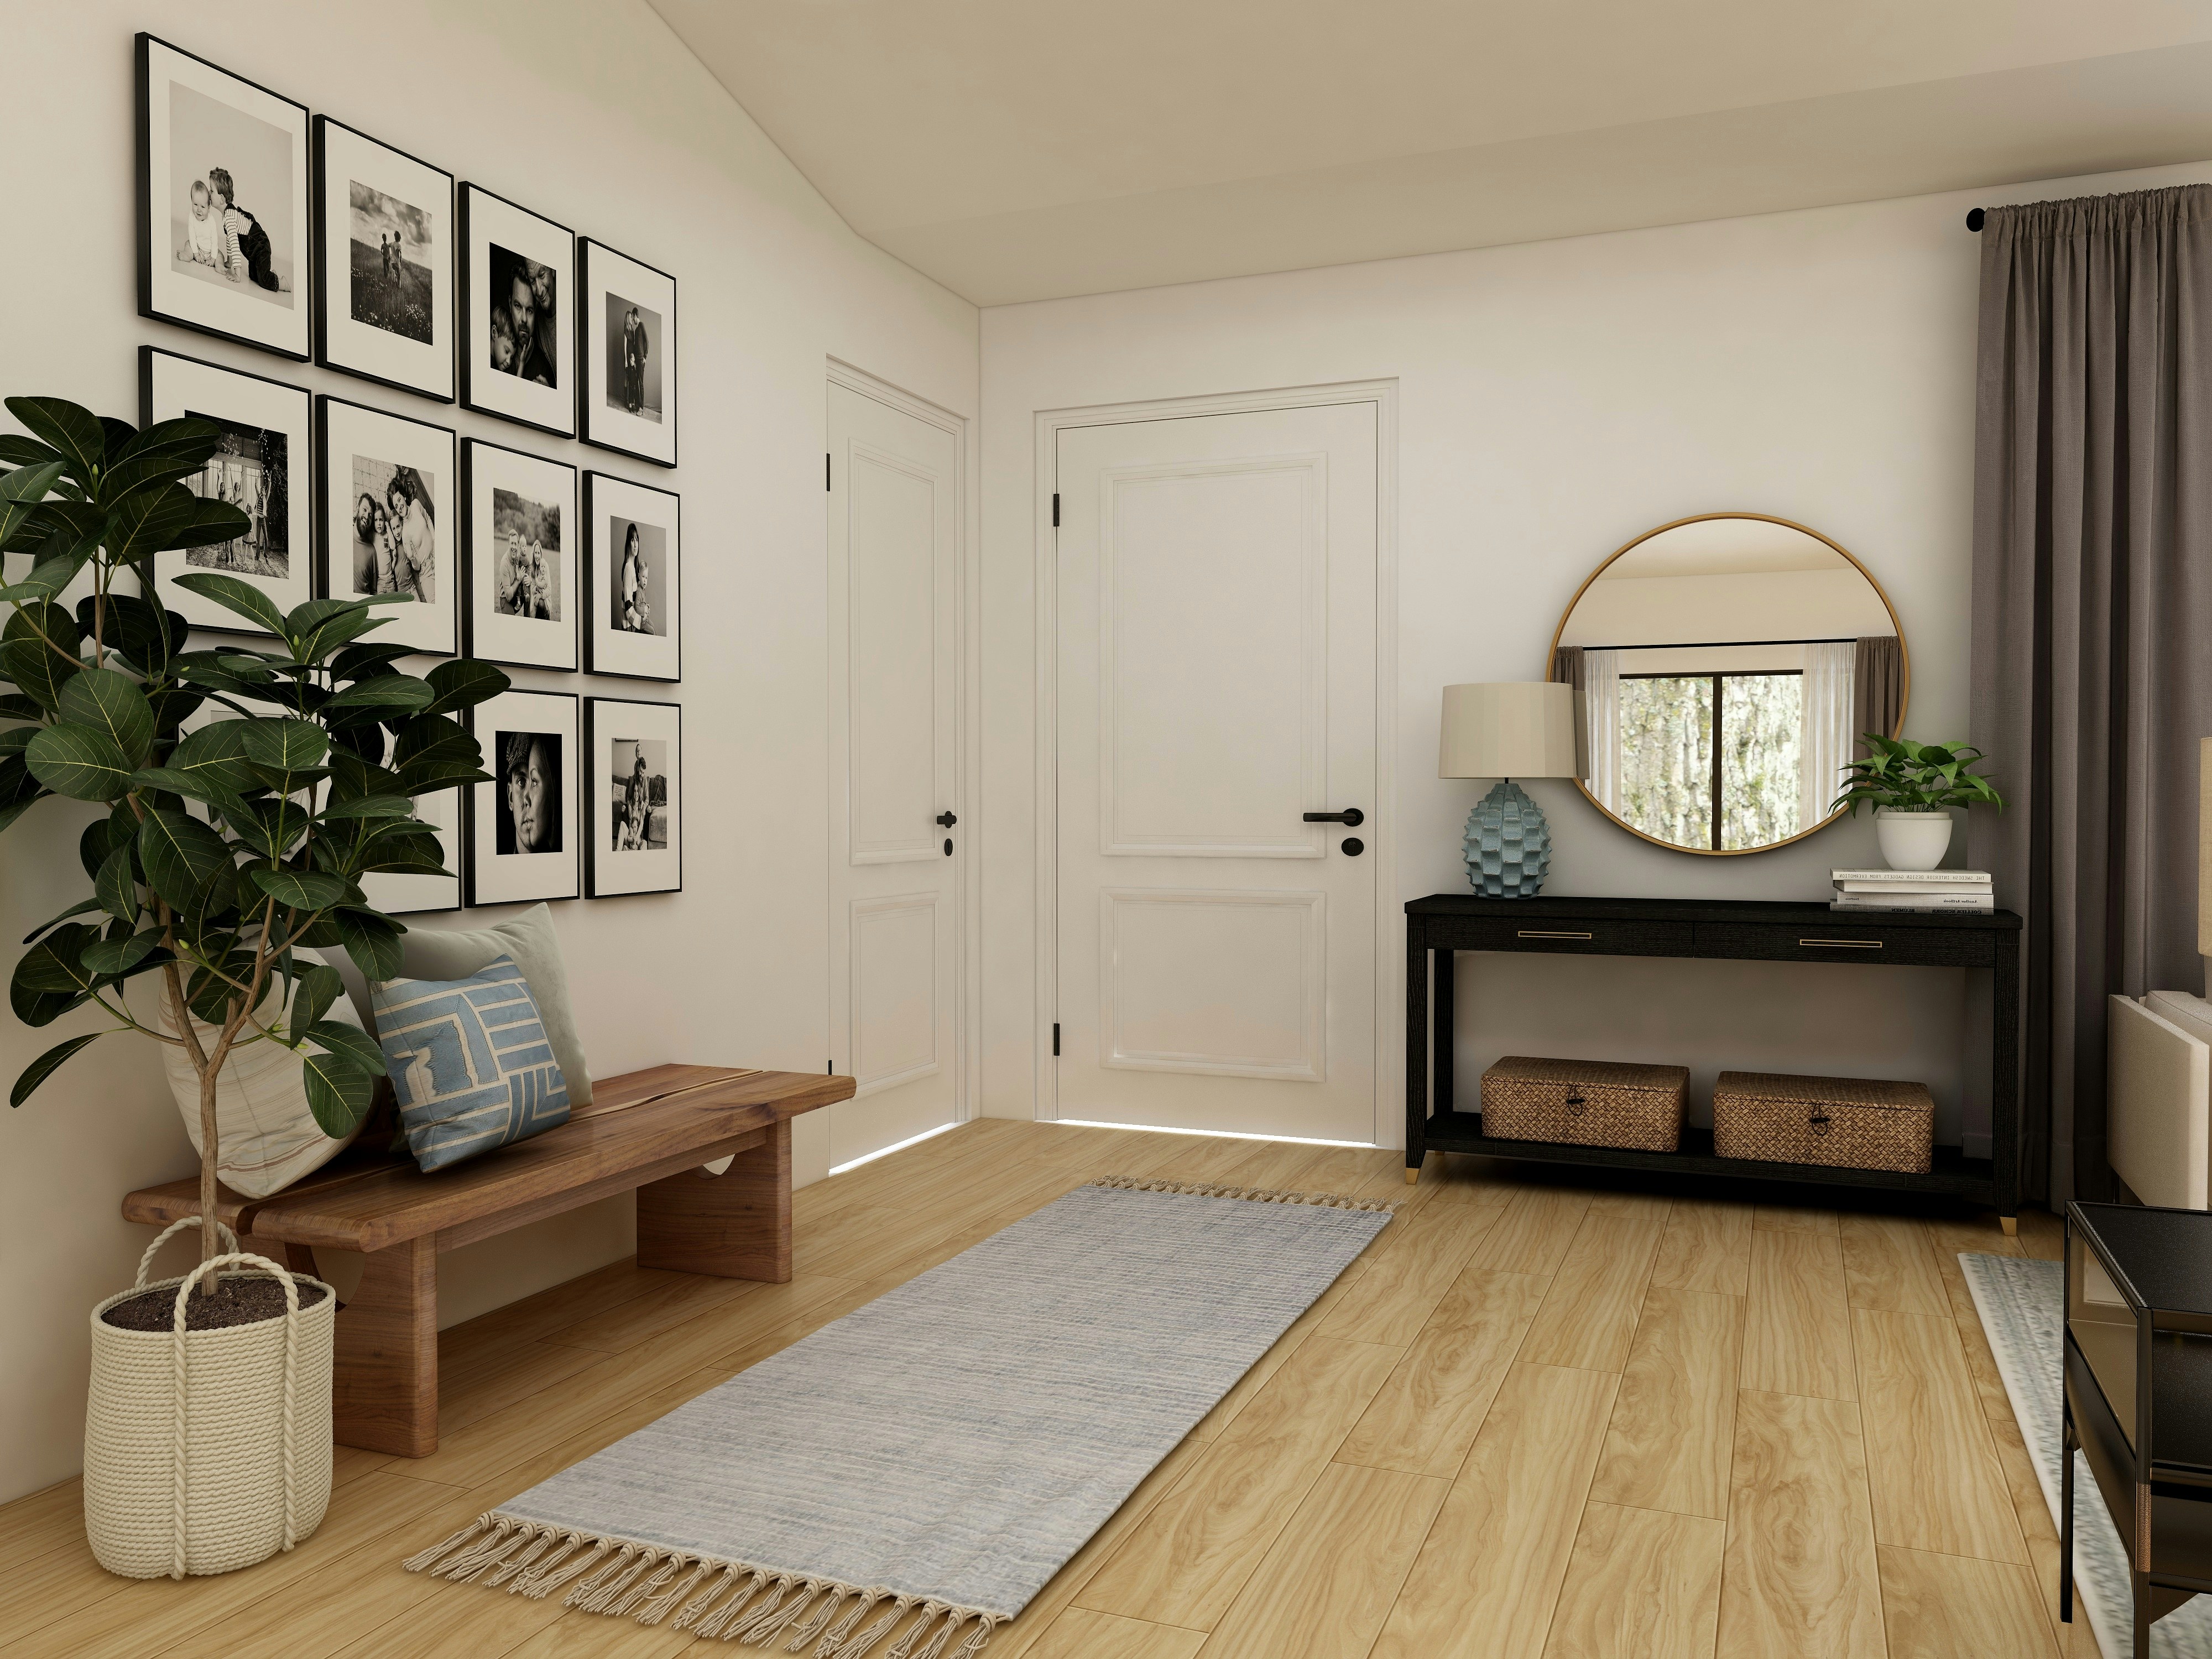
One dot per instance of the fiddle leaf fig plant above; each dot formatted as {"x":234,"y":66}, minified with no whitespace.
{"x":1905,"y":776}
{"x":231,"y":845}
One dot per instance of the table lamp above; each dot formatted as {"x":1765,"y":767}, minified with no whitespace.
{"x":1505,"y":731}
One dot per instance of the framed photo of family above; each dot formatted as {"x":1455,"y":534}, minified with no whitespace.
{"x":634,"y":765}
{"x":262,"y":468}
{"x":222,"y":203}
{"x":627,"y":354}
{"x":389,"y":503}
{"x":522,"y":828}
{"x":384,"y":269}
{"x":632,"y":579}
{"x":519,"y":305}
{"x":522,"y":558}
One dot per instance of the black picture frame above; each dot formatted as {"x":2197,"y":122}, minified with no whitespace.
{"x":446,"y":390}
{"x":606,"y":650}
{"x":599,"y":423}
{"x":479,"y":807}
{"x":398,"y":631}
{"x":481,"y":390}
{"x":599,"y":852}
{"x":291,"y":343}
{"x":483,"y":628}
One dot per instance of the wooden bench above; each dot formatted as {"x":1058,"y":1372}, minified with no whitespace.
{"x":650,"y":1131}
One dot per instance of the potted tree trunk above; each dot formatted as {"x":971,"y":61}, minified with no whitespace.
{"x":227,"y":852}
{"x":1912,"y":786}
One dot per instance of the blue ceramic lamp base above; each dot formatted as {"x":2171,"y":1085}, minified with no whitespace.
{"x":1509,"y":845}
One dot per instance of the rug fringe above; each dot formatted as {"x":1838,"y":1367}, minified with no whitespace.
{"x":1256,"y":1195}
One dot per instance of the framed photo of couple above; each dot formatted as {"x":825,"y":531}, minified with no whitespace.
{"x":522,"y":830}
{"x":389,"y":505}
{"x":632,"y":579}
{"x":628,"y":353}
{"x":518,"y":296}
{"x":522,"y":558}
{"x":635,"y":761}
{"x":222,"y":203}
{"x":384,"y":269}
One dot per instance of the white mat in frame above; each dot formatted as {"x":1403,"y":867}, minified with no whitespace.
{"x":264,"y":467}
{"x":522,"y":533}
{"x":628,"y":357}
{"x":387,"y":519}
{"x":522,"y":830}
{"x":633,"y":616}
{"x":385,"y":314}
{"x":532,"y":378}
{"x":635,"y":783}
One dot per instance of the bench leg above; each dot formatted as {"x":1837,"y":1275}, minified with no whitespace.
{"x":384,"y":1395}
{"x":734,"y":1225}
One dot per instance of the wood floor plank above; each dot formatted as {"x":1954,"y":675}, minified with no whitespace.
{"x":661,"y":1308}
{"x":43,"y":1520}
{"x":1635,"y":1205}
{"x":2042,"y":1235}
{"x":1455,"y":1178}
{"x":1800,"y":1578}
{"x":593,"y":1636}
{"x":1707,"y":1247}
{"x":1942,"y":1606}
{"x":1078,"y":1633}
{"x":1344,"y":1168}
{"x":1673,"y":1432}
{"x":1889,"y":1266}
{"x":1936,"y":1483}
{"x":1314,"y":1598}
{"x":1946,"y":1239}
{"x":1401,"y":1286}
{"x":1488,"y":1577}
{"x":1247,"y":1388}
{"x":1588,"y":1319}
{"x":1641,"y":1585}
{"x":1797,"y":1332}
{"x":1207,"y":1160}
{"x":1535,"y":1231}
{"x":1793,"y":1218}
{"x":1425,"y":1416}
{"x":502,"y":1378}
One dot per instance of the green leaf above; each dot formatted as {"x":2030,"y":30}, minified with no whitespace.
{"x":112,"y":703}
{"x":426,"y":777}
{"x":339,"y":1091}
{"x":213,"y":901}
{"x":371,"y":807}
{"x":76,"y":910}
{"x":39,"y":672}
{"x":73,"y":431}
{"x":103,"y":835}
{"x":317,"y":988}
{"x":16,"y":738}
{"x":117,"y":886}
{"x":354,"y":776}
{"x":142,"y":524}
{"x":189,"y":439}
{"x":62,"y":527}
{"x":81,"y":762}
{"x":180,"y":854}
{"x":20,"y":492}
{"x":142,"y":631}
{"x":112,"y":958}
{"x":215,"y":752}
{"x":229,"y":592}
{"x":405,"y":856}
{"x":284,"y":746}
{"x":388,"y":694}
{"x":315,"y":646}
{"x":464,"y":683}
{"x":361,"y":662}
{"x":46,"y":1065}
{"x":350,"y":1040}
{"x":53,"y":965}
{"x":372,"y":940}
{"x":16,"y":451}
{"x":14,"y":705}
{"x":210,"y":522}
{"x":49,"y":577}
{"x":300,"y":890}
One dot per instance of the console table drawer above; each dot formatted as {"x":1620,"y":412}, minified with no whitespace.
{"x":1595,"y":937}
{"x":1853,"y":941}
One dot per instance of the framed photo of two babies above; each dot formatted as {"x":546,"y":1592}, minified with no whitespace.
{"x":518,"y":297}
{"x":627,"y":352}
{"x":384,"y":270}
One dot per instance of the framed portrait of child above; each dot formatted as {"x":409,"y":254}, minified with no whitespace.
{"x":521,"y":557}
{"x":390,"y":498}
{"x":222,"y":203}
{"x":634,"y":762}
{"x":384,"y":269}
{"x":519,"y":311}
{"x":626,"y":357}
{"x":522,"y":831}
{"x":632,"y":579}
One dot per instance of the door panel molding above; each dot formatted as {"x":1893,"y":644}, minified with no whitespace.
{"x":1239,"y":972}
{"x":922,"y":843}
{"x":873,"y":1072}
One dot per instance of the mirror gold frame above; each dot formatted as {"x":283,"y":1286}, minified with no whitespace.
{"x":1903,"y":652}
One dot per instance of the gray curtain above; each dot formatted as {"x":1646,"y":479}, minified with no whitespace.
{"x":2093,"y":625}
{"x":1877,"y":689}
{"x":1567,"y":667}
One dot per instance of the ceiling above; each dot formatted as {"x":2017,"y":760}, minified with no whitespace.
{"x":1024,"y":149}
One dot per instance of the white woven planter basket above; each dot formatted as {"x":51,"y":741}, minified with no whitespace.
{"x":206,"y":1451}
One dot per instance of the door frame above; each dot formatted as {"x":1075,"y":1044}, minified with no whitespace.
{"x":967,"y":716}
{"x":1382,"y":833}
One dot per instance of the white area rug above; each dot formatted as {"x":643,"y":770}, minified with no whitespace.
{"x":946,"y":1446}
{"x":2023,"y":1308}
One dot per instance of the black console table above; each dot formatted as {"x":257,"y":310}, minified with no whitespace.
{"x":1732,"y":930}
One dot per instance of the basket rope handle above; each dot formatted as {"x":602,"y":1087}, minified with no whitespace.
{"x":146,"y":1262}
{"x":291,"y":1371}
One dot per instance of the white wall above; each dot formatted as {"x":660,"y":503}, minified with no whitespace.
{"x":595,"y":115}
{"x":1557,"y":399}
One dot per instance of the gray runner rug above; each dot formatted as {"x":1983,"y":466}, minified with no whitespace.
{"x":2023,"y":1308}
{"x":945,"y":1448}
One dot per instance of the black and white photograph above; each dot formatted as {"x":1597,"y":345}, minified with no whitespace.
{"x":518,"y":297}
{"x":384,"y":287}
{"x":261,"y":468}
{"x":389,"y":496}
{"x":632,"y":579}
{"x":629,"y":354}
{"x":223,"y":189}
{"x":635,"y":753}
{"x":522,"y":560}
{"x":523,"y":826}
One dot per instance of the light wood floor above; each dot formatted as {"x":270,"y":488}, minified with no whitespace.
{"x":1537,"y":1418}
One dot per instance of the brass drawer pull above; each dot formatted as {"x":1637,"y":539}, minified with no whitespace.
{"x":1540,"y":933}
{"x":1842,"y":944}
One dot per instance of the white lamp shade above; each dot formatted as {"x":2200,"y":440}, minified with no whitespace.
{"x":1525,"y":729}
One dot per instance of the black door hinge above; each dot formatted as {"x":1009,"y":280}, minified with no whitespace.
{"x":825,"y":472}
{"x":1055,"y":509}
{"x":1055,"y":1039}
{"x":829,"y":1068}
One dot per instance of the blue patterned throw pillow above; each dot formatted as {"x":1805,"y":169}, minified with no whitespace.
{"x":470,"y":1065}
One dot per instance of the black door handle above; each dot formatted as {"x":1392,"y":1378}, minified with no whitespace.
{"x":945,"y":820}
{"x":1351,"y":815}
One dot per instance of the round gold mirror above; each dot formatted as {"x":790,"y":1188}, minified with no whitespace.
{"x":1726,"y":666}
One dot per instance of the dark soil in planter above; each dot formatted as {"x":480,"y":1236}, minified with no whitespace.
{"x":242,"y":1299}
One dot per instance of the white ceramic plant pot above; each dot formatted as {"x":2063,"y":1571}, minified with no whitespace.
{"x":1913,"y":840}
{"x":206,"y":1451}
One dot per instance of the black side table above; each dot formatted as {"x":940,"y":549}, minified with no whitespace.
{"x":2139,"y":1396}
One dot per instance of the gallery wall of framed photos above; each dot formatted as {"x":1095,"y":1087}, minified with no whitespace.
{"x":294,"y":233}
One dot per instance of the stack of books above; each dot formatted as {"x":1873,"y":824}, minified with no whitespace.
{"x":1914,"y":890}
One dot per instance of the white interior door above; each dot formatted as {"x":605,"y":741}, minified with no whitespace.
{"x":894,"y":496}
{"x":1216,"y":596}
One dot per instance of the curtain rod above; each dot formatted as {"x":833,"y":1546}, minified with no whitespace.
{"x":1974,"y":217}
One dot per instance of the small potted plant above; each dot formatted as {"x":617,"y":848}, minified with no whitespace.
{"x":223,"y":855}
{"x":1912,"y":786}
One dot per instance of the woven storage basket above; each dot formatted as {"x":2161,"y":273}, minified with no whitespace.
{"x":205,"y":1451}
{"x":1585,"y":1102}
{"x":1850,"y":1122}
